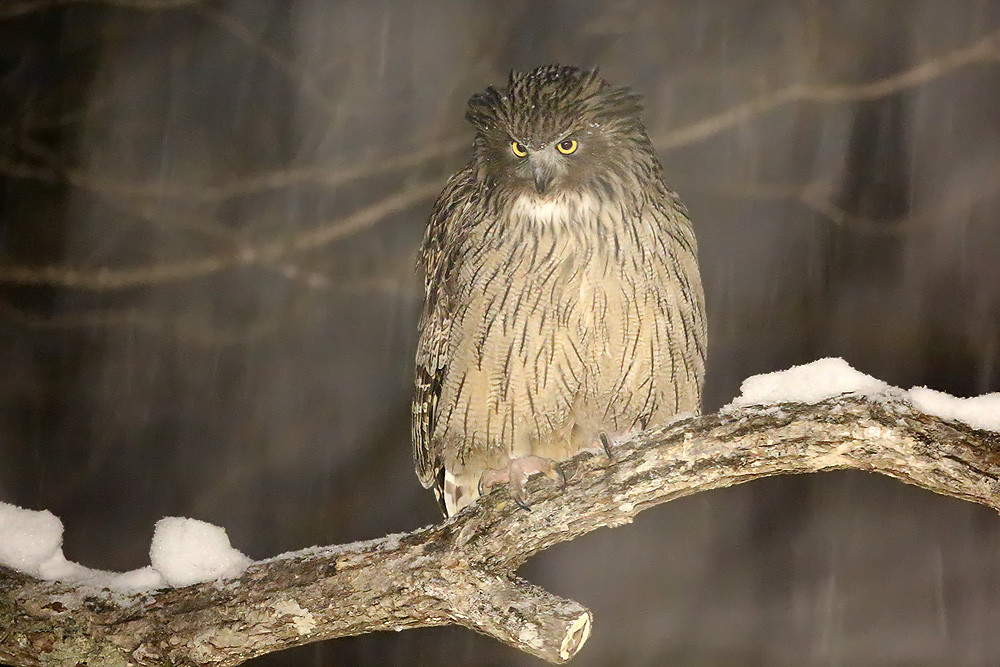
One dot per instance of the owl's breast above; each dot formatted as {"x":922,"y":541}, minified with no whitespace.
{"x":623,"y":303}
{"x":613,"y":314}
{"x":557,"y":333}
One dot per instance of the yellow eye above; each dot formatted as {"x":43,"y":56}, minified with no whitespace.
{"x":567,"y":146}
{"x":518,"y":149}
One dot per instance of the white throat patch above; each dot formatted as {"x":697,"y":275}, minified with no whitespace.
{"x":555,"y":210}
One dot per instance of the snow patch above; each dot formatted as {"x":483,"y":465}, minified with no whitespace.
{"x":982,"y":412}
{"x":136,"y":581}
{"x":184,"y":551}
{"x":29,"y":539}
{"x":826,"y":378}
{"x":188,"y":551}
{"x":808,"y":383}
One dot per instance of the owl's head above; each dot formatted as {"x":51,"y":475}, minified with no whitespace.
{"x":559,"y":129}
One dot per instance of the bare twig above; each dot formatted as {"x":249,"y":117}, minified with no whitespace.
{"x":228,"y":23}
{"x":23,"y":7}
{"x":239,"y":185}
{"x":461,"y":571}
{"x":267,"y":252}
{"x":986,"y":49}
{"x":201,"y":330}
{"x":815,"y":196}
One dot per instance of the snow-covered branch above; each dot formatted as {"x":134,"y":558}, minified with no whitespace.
{"x":462,"y":571}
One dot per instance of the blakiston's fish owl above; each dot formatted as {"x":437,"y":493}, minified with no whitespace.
{"x":563,"y":305}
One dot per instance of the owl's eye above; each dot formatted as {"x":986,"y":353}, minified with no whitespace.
{"x":567,"y":146}
{"x":518,"y":149}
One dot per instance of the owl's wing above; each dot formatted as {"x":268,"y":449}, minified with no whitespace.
{"x":438,"y":257}
{"x":427,"y":451}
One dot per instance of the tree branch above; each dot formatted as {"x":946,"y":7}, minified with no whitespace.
{"x":462,"y":571}
{"x":985,"y":49}
{"x":105,"y":279}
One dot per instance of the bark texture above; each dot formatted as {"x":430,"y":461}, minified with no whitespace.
{"x":462,"y":571}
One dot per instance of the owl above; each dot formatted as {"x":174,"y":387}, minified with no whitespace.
{"x":563,"y":307}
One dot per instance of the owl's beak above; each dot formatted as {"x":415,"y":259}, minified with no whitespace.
{"x":544,"y":175}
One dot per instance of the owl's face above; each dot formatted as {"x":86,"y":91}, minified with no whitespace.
{"x":543,"y":165}
{"x":557,"y":130}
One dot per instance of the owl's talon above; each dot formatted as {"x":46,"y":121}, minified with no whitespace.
{"x":560,"y":474}
{"x":492,"y":477}
{"x":606,"y":444}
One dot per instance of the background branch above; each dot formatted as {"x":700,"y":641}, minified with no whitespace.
{"x":462,"y":571}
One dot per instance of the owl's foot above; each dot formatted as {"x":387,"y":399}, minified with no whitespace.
{"x":516,"y":475}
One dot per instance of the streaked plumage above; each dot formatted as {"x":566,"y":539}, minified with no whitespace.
{"x":562,"y":295}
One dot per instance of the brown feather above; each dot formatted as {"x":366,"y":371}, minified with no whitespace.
{"x":551,"y":317}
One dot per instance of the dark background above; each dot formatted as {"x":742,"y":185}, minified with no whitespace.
{"x":208,"y":222}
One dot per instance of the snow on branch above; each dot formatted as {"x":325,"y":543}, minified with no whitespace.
{"x":462,"y":571}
